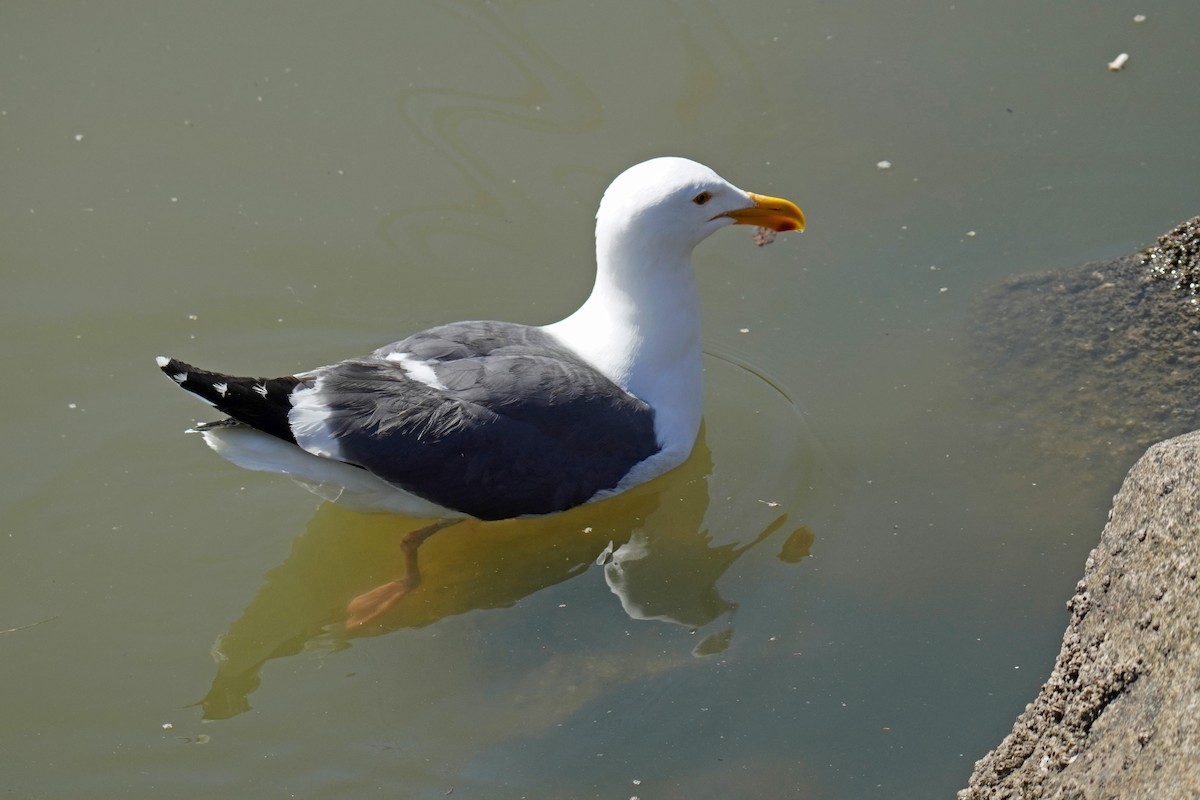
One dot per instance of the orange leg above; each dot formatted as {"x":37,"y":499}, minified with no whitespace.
{"x":372,"y":605}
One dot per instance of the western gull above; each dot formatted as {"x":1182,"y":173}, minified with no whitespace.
{"x":493,"y":420}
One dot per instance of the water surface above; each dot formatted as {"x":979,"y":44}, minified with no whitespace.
{"x":851,"y":588}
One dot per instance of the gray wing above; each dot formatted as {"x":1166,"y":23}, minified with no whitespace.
{"x":492,"y":419}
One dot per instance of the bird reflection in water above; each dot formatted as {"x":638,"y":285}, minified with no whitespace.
{"x":652,"y":546}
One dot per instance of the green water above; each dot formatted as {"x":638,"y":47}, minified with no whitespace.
{"x":849,"y":591}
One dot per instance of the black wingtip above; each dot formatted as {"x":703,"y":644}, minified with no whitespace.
{"x":173,"y":368}
{"x":259,"y":402}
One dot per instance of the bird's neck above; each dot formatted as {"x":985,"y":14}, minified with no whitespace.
{"x":640,"y":326}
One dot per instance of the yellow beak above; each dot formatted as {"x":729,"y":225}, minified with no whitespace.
{"x":769,"y":212}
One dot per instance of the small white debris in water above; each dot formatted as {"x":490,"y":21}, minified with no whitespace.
{"x":174,"y":199}
{"x":193,"y":317}
{"x":79,"y":137}
{"x":1118,"y":63}
{"x":167,"y":726}
{"x":884,"y":165}
{"x":944,"y":289}
{"x":970,"y":233}
{"x":72,"y":405}
{"x":1139,"y":17}
{"x":743,"y":330}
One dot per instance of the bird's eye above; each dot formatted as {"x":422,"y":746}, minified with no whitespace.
{"x":702,"y":198}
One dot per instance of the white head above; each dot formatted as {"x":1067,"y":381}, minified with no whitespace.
{"x":666,"y":206}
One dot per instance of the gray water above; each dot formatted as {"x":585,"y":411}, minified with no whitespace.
{"x":851,"y":588}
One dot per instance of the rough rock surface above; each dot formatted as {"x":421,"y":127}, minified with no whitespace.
{"x":1119,"y":716}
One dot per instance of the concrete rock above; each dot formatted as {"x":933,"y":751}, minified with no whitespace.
{"x":1119,"y":716}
